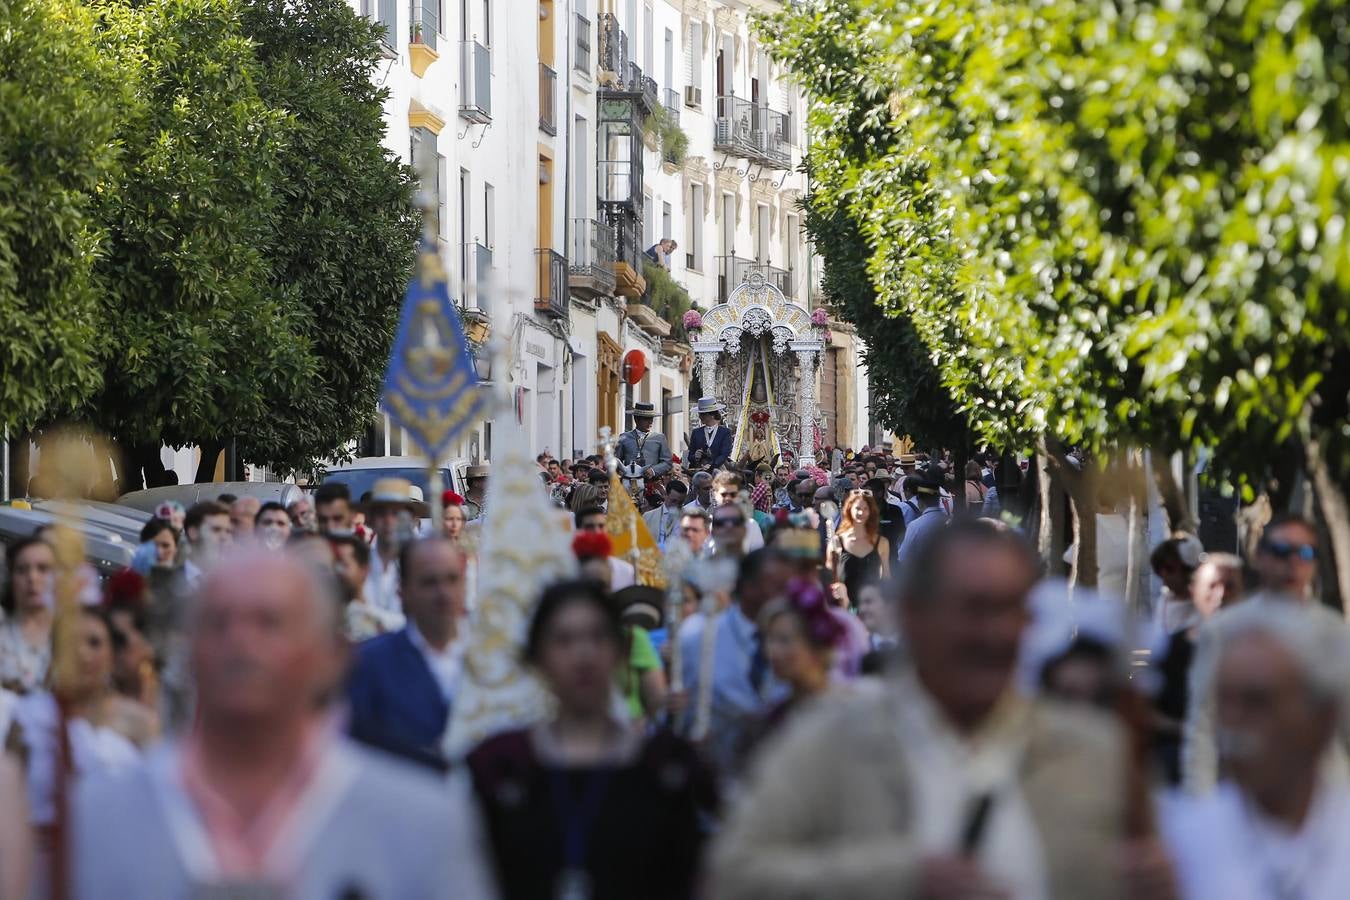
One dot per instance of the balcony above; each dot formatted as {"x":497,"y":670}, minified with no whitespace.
{"x":753,"y":131}
{"x":476,"y":258}
{"x":475,"y":80}
{"x":641,"y":87}
{"x":550,"y":297}
{"x":613,"y":50}
{"x":673,"y":105}
{"x":581,"y":57}
{"x":627,"y":249}
{"x":731,"y":271}
{"x":548,"y":90}
{"x":779,"y":278}
{"x":426,"y":22}
{"x":591,"y":260}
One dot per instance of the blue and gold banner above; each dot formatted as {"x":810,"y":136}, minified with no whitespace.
{"x":431,"y":387}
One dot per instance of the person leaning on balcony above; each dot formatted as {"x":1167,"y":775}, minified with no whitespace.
{"x":659,"y":252}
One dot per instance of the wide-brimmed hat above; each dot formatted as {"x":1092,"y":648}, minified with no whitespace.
{"x":710,"y":405}
{"x":640,"y":605}
{"x":395,"y":492}
{"x":477,"y":471}
{"x":643,"y":411}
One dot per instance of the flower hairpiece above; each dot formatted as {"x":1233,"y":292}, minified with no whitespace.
{"x":592,"y":545}
{"x":450,"y":498}
{"x":806,"y":597}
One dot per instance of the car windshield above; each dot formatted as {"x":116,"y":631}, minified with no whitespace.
{"x":360,"y":481}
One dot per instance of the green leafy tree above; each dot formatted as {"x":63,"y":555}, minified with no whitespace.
{"x":58,"y":108}
{"x":344,"y":251}
{"x":195,"y":345}
{"x":1112,"y":223}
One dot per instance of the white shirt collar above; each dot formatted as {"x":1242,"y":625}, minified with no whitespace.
{"x":446,"y":665}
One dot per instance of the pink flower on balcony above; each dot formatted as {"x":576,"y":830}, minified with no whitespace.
{"x":820,"y":318}
{"x":692,"y":320}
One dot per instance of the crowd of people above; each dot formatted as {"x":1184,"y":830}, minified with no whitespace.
{"x":852,"y":697}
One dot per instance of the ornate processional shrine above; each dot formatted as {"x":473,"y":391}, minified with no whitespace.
{"x":758,"y":354}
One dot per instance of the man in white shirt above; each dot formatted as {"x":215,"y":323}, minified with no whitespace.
{"x":391,"y":508}
{"x":1276,"y":827}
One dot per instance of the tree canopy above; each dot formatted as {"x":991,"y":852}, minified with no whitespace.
{"x":58,"y":105}
{"x":1112,"y":223}
{"x":202,"y":236}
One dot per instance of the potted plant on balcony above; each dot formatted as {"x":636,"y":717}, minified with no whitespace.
{"x":665,"y":132}
{"x":420,"y":53}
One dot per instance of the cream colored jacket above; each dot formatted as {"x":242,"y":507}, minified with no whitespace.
{"x":828,"y":810}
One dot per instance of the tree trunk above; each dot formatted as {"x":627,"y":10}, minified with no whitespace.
{"x":19,"y":463}
{"x":1081,"y":485}
{"x":1334,"y":515}
{"x":206,"y":465}
{"x":143,"y":466}
{"x":1045,"y":519}
{"x":1173,"y":496}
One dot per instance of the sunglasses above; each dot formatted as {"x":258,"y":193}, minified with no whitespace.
{"x":1284,"y":550}
{"x":690,"y":529}
{"x":728,"y":523}
{"x":860,"y":492}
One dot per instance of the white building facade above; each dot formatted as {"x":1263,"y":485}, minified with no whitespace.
{"x":542,"y":122}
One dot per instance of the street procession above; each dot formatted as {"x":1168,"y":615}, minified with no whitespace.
{"x":814,"y":450}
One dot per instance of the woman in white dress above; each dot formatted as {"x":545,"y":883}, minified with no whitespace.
{"x":26,"y":633}
{"x":107,"y":731}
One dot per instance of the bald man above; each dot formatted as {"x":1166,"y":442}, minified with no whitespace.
{"x":263,"y":798}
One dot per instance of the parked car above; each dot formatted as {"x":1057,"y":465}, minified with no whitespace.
{"x":123,"y":520}
{"x":108,"y":551}
{"x":361,"y":474}
{"x":188,"y":494}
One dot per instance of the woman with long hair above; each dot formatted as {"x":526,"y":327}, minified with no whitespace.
{"x":26,"y":634}
{"x":105,"y":731}
{"x":581,"y":805}
{"x":858,"y":553}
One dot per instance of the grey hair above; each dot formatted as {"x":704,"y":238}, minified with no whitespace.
{"x":1318,"y":647}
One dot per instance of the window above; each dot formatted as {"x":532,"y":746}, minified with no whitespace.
{"x":385,"y":14}
{"x":580,"y":166}
{"x":648,"y":57}
{"x":762,"y":233}
{"x":647,"y":226}
{"x":693,"y":228}
{"x":489,"y":214}
{"x":465,"y":247}
{"x":665,"y":220}
{"x":669,"y":83}
{"x":427,"y":162}
{"x":693,"y":56}
{"x":487,"y":23}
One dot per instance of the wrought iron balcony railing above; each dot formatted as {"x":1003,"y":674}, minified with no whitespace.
{"x":475,"y":82}
{"x":592,"y":257}
{"x":548,"y":90}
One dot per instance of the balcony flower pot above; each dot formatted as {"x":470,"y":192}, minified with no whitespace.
{"x":420,"y":54}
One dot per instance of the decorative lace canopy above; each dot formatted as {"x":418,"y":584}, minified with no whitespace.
{"x":756,"y":308}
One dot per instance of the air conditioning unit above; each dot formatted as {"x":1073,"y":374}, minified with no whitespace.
{"x":693,"y":96}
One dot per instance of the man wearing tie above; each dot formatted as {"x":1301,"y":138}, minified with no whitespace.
{"x":664,"y":521}
{"x":640,"y":452}
{"x":710,"y":445}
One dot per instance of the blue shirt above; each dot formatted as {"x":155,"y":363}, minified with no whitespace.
{"x":919,"y":530}
{"x":735,"y":702}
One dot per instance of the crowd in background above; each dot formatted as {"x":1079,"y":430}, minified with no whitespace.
{"x":869,"y":691}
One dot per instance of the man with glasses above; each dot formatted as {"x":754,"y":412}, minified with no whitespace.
{"x":1286,"y":567}
{"x":727,"y":493}
{"x":729,"y":531}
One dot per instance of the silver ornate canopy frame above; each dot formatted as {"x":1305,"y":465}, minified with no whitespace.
{"x":755,"y":320}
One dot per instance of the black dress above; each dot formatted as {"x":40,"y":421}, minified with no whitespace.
{"x":857,"y":571}
{"x":643,"y":821}
{"x":1172,"y":698}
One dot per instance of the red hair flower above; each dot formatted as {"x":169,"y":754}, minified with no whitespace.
{"x":450,"y":498}
{"x":592,"y":545}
